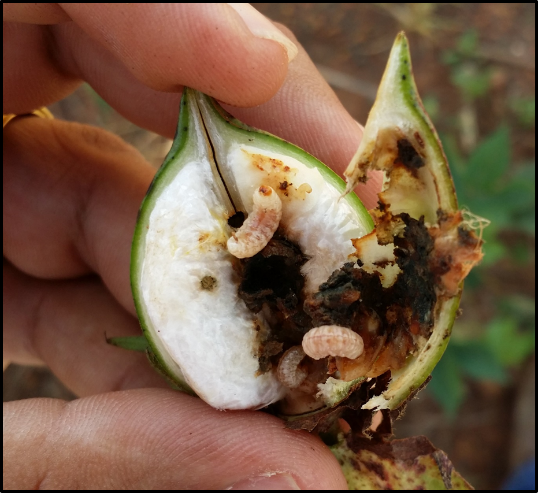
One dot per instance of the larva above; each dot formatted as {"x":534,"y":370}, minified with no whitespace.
{"x":288,"y":371}
{"x":332,"y":340}
{"x":260,"y":225}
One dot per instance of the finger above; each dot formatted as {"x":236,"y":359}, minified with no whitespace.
{"x":34,"y":13}
{"x":71,"y":195}
{"x":160,"y":440}
{"x":317,"y":122}
{"x":64,"y":324}
{"x":164,"y":46}
{"x":307,"y":112}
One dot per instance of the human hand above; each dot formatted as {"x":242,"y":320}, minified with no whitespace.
{"x":71,"y":193}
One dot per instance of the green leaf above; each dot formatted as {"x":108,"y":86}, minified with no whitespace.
{"x":132,"y":343}
{"x":473,"y":80}
{"x":521,"y":307}
{"x":447,"y":385}
{"x":493,"y":252}
{"x":526,"y":174}
{"x":516,"y":198}
{"x":491,"y":208}
{"x":522,"y":193}
{"x":509,"y":344}
{"x":525,"y":110}
{"x":450,"y":57}
{"x":490,"y":160}
{"x":478,"y":361}
{"x":468,"y":42}
{"x":526,"y":223}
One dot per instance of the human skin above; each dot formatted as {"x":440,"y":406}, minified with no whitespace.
{"x":71,"y":195}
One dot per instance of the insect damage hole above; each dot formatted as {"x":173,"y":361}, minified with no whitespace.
{"x":237,"y":220}
{"x":260,"y":225}
{"x":208,"y":283}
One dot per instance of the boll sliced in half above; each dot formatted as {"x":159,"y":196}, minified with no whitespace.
{"x":258,"y":277}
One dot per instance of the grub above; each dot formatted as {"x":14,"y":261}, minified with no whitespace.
{"x":260,"y":225}
{"x":405,"y":310}
{"x":290,"y":372}
{"x":332,"y":340}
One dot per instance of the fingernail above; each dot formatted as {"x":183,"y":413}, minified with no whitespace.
{"x":262,"y":27}
{"x":269,"y":481}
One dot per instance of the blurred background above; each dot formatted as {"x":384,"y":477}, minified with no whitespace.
{"x":475,"y":70}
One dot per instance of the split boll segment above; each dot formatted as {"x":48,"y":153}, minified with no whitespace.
{"x":322,"y":296}
{"x":260,"y":225}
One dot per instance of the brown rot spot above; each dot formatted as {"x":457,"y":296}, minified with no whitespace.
{"x":272,"y":282}
{"x":237,"y":220}
{"x":208,"y":283}
{"x":265,"y":190}
{"x":390,"y":320}
{"x":266,"y":353}
{"x":466,"y":238}
{"x":408,"y":156}
{"x":419,"y":139}
{"x":283,"y":185}
{"x":377,"y":468}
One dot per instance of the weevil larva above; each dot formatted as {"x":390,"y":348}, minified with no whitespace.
{"x":288,"y":371}
{"x":332,"y":340}
{"x":260,"y":225}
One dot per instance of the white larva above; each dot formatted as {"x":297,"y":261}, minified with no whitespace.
{"x":332,"y":340}
{"x":288,"y":371}
{"x":260,"y":225}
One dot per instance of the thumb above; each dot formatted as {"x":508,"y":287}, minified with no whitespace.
{"x":157,"y":439}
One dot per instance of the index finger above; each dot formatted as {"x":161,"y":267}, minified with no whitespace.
{"x":163,"y":46}
{"x":304,"y":111}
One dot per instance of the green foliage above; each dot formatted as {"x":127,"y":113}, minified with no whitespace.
{"x":525,"y":110}
{"x":489,"y":186}
{"x":465,"y":48}
{"x":466,"y":72}
{"x":447,"y":385}
{"x":509,"y":344}
{"x":504,"y":343}
{"x":473,"y":80}
{"x":511,"y":335}
{"x":463,"y":359}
